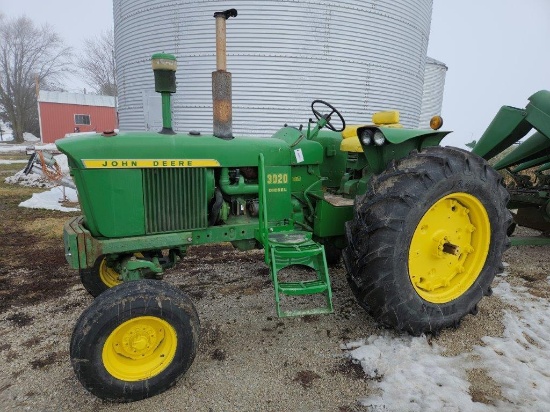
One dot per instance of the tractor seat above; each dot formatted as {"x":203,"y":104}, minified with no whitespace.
{"x":350,"y":140}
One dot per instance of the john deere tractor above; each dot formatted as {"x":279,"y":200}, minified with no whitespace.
{"x":422,"y":227}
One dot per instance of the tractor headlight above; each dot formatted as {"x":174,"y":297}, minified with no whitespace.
{"x":366,"y":137}
{"x":379,"y":138}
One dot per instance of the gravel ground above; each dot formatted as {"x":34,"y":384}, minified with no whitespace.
{"x":249,"y":360}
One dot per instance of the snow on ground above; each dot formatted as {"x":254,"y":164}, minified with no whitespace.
{"x":412,"y":375}
{"x":7,"y":134}
{"x":30,"y":180}
{"x":520,"y":361}
{"x":38,"y":180}
{"x":22,"y":148}
{"x":10,"y":162}
{"x":51,"y":200}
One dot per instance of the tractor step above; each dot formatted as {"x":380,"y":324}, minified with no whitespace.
{"x":310,"y":254}
{"x":285,"y":246}
{"x":310,"y":287}
{"x":298,"y":252}
{"x":304,"y":312}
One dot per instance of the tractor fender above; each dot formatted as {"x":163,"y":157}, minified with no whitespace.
{"x":398,"y":135}
{"x":397,"y":144}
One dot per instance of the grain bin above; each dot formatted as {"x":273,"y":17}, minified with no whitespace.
{"x":434,"y":85}
{"x":362,"y":56}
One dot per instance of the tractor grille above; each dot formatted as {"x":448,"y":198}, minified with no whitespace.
{"x":174,"y":199}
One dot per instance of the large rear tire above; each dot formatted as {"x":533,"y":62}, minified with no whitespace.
{"x":427,"y":239}
{"x":135,"y":341}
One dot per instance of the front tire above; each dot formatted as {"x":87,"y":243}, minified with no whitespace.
{"x":135,"y":341}
{"x":99,"y":277}
{"x":427,"y":239}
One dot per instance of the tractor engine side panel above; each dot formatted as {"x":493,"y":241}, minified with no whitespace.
{"x":134,"y":202}
{"x":112,"y":201}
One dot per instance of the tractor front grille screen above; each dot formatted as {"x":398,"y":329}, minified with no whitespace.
{"x":174,"y":199}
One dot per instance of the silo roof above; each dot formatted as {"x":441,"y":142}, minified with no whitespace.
{"x":431,"y":60}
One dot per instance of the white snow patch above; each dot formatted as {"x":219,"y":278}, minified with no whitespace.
{"x":62,"y":161}
{"x":412,"y":375}
{"x":7,"y":134}
{"x":520,"y":361}
{"x":11,"y":162}
{"x":29,"y":137}
{"x":22,"y":148}
{"x":37,"y":180}
{"x":30,"y":180}
{"x":51,"y":200}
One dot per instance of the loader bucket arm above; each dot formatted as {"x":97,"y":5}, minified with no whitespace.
{"x":532,"y":163}
{"x":510,"y":125}
{"x":534,"y":148}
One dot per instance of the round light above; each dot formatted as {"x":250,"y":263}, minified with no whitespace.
{"x":379,"y":138}
{"x":436,"y":122}
{"x":366,"y":137}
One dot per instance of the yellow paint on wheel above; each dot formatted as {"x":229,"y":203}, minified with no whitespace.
{"x":140,"y":348}
{"x":449,"y":248}
{"x":108,"y":275}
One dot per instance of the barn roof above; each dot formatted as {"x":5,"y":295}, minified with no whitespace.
{"x":76,"y":98}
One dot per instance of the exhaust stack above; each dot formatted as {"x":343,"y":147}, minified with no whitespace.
{"x":221,"y":80}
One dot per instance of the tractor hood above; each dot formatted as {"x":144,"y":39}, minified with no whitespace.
{"x":138,"y":150}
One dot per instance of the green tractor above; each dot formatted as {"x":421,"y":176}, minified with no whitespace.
{"x":422,"y":228}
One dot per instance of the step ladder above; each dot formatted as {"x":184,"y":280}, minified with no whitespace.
{"x":284,"y":246}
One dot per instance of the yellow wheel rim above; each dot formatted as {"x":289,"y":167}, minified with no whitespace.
{"x":139,"y":348}
{"x":449,"y":248}
{"x":108,"y":276}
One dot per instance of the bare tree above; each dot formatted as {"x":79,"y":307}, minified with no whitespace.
{"x":97,"y":63}
{"x":29,"y":55}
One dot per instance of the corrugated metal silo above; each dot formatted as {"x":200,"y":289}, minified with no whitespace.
{"x":434,"y":86}
{"x":362,"y":56}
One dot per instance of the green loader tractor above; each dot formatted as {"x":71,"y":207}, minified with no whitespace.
{"x":421,"y":228}
{"x":529,"y":192}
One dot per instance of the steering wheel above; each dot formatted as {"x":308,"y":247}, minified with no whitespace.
{"x":318,"y":115}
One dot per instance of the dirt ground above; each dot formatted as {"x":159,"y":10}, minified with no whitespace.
{"x":248,"y":360}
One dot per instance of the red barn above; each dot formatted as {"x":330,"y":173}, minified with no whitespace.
{"x":61,"y":113}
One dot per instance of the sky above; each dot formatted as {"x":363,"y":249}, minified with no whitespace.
{"x":74,"y":21}
{"x":497,"y":51}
